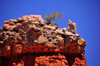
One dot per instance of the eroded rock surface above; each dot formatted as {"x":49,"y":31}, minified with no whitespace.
{"x":55,"y":60}
{"x":33,"y":34}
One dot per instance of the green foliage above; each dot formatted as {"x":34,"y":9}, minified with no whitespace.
{"x":54,"y":16}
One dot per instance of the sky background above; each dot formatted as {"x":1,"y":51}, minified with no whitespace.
{"x":85,"y":13}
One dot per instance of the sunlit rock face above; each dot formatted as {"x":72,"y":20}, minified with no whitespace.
{"x":29,"y":41}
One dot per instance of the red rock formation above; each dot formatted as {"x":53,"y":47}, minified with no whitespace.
{"x":29,"y":41}
{"x":55,"y":60}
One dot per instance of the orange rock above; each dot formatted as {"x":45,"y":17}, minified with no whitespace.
{"x":29,"y":41}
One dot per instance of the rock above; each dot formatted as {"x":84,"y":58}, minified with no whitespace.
{"x":32,"y":28}
{"x":60,"y":42}
{"x":55,"y":60}
{"x":41,"y":39}
{"x":25,"y":23}
{"x":53,"y":24}
{"x":68,"y":33}
{"x":64,"y":29}
{"x":6,"y":27}
{"x":6,"y":22}
{"x":33,"y":41}
{"x":19,"y":20}
{"x":39,"y":18}
{"x":49,"y":27}
{"x":50,"y":45}
{"x":71,"y":27}
{"x":59,"y":31}
{"x":1,"y":42}
{"x":19,"y":63}
{"x":82,"y":42}
{"x":11,"y":23}
{"x":19,"y":48}
{"x":79,"y":62}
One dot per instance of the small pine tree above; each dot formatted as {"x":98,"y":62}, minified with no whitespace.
{"x":54,"y":16}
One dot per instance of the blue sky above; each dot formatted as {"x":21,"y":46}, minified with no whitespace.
{"x":85,"y":13}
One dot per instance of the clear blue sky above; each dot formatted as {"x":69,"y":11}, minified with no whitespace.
{"x":85,"y":13}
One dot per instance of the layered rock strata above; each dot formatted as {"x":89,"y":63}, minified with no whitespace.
{"x":30,"y":34}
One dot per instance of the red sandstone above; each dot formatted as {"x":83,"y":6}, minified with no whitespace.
{"x":29,"y":41}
